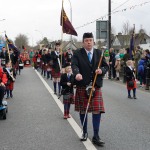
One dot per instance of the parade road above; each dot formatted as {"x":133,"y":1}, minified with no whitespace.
{"x":35,"y":118}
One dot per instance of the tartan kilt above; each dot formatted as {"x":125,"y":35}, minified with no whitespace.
{"x":49,"y":67}
{"x":81,"y":100}
{"x":68,"y":98}
{"x":10,"y":86}
{"x":55,"y":74}
{"x":45,"y":67}
{"x":131,"y":88}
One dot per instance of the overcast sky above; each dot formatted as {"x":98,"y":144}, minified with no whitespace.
{"x":44,"y":16}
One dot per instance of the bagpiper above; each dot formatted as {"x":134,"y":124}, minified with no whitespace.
{"x":84,"y":66}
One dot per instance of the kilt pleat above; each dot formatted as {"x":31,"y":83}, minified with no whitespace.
{"x":10,"y":86}
{"x":81,"y":100}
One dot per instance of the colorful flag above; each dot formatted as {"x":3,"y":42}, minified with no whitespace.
{"x":132,"y":41}
{"x":67,"y":26}
{"x":11,"y":45}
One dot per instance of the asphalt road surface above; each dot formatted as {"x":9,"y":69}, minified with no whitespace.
{"x":35,"y":119}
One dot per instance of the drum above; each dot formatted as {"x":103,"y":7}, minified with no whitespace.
{"x":21,"y":66}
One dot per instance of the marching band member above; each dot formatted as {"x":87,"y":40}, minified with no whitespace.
{"x":69,"y":55}
{"x":56,"y":67}
{"x":11,"y":79}
{"x":67,"y":89}
{"x":85,"y":66}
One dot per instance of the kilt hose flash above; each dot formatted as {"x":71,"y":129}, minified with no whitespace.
{"x":81,"y":100}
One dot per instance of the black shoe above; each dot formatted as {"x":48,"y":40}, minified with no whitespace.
{"x":129,"y":96}
{"x":11,"y":96}
{"x":84,"y":137}
{"x":55,"y":93}
{"x":134,"y":97}
{"x":97,"y":141}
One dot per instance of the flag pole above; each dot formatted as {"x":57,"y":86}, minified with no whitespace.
{"x":7,"y":47}
{"x":61,"y":34}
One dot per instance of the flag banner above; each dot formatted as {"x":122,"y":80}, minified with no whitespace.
{"x":67,"y":26}
{"x":11,"y":45}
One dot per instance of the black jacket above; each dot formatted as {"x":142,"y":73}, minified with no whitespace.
{"x":82,"y":65}
{"x":129,"y":74}
{"x":63,"y":83}
{"x":55,"y":61}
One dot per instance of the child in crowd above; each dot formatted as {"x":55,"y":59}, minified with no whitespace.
{"x":130,"y":77}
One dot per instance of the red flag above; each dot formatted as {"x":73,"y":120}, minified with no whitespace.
{"x":67,"y":26}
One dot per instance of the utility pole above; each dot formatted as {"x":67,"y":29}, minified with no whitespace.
{"x":109,"y":24}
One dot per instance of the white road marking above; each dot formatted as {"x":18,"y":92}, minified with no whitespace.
{"x":88,"y":144}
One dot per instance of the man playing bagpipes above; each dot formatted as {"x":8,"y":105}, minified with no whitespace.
{"x":89,"y":66}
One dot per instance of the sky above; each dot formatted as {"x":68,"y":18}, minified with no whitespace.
{"x":41,"y":18}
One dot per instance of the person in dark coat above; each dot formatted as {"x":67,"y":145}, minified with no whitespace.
{"x":69,"y":55}
{"x":66,"y":82}
{"x":130,"y":77}
{"x":4,"y":56}
{"x":112,"y":60}
{"x":58,"y":63}
{"x":85,"y":66}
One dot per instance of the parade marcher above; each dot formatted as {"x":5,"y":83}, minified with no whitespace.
{"x":44,"y":63}
{"x":31,"y":55}
{"x":36,"y":60}
{"x":10,"y":72}
{"x":130,"y":77}
{"x":3,"y":81}
{"x":85,"y":66}
{"x":69,"y":55}
{"x":66,"y":82}
{"x":57,"y":57}
{"x":49,"y":64}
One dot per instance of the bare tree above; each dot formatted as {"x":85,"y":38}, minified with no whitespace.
{"x":126,"y":28}
{"x":21,"y":40}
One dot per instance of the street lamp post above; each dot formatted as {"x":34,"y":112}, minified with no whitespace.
{"x":109,"y":24}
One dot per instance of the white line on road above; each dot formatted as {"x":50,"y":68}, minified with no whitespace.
{"x":88,"y":144}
